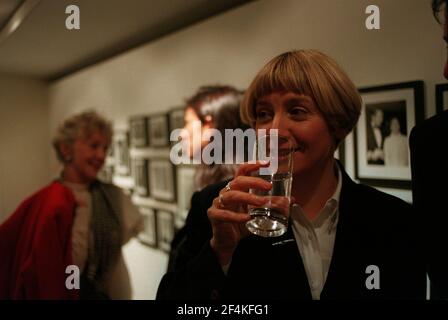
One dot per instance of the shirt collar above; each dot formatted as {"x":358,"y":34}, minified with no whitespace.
{"x":329,"y":211}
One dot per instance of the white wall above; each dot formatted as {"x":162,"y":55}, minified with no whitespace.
{"x":24,"y":140}
{"x":232,"y":47}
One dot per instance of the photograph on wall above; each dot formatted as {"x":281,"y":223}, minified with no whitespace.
{"x":165,"y":229}
{"x":441,"y":97}
{"x":148,"y":235}
{"x":185,"y":188}
{"x":158,"y":130}
{"x":121,"y":150}
{"x":111,"y":151}
{"x":106,"y":173}
{"x":389,"y":112}
{"x":176,"y":118}
{"x":161,"y":179}
{"x":139,"y":131}
{"x":140,"y":173}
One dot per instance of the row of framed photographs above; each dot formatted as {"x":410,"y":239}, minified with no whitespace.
{"x":154,"y":130}
{"x":166,"y":183}
{"x":158,"y":229}
{"x":154,"y":178}
{"x":381,"y":137}
{"x":119,"y":153}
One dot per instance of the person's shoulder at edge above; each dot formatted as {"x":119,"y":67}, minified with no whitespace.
{"x":201,"y":200}
{"x":52,"y":203}
{"x":55,"y":195}
{"x":437,"y":121}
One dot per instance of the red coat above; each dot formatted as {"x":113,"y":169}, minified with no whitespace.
{"x":35,"y":246}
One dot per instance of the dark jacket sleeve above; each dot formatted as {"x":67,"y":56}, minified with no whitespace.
{"x":429,"y":167}
{"x":194,"y":271}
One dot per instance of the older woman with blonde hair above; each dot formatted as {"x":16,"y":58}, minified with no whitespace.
{"x":64,"y":242}
{"x":344,"y":240}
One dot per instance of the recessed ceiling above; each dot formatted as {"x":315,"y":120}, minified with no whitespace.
{"x":42,"y":47}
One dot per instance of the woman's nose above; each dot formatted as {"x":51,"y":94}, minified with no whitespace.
{"x":280,"y":124}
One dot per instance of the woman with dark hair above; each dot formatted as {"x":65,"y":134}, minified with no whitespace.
{"x":211,"y":107}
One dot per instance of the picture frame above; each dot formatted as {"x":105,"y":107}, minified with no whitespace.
{"x":185,"y":188}
{"x":381,"y":148}
{"x":139,"y":131}
{"x":121,"y":152}
{"x":148,"y":236}
{"x":158,"y":130}
{"x":161,"y":180}
{"x":165,"y":230}
{"x":441,"y":97}
{"x":106,"y":173}
{"x":111,"y":152}
{"x":176,"y":118}
{"x":140,"y":174}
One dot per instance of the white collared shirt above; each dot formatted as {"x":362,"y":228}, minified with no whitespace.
{"x":315,"y":239}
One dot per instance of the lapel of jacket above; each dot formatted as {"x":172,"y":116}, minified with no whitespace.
{"x":288,"y":255}
{"x":343,"y":268}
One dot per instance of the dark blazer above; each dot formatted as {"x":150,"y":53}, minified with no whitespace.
{"x":373,"y":229}
{"x":429,"y":164}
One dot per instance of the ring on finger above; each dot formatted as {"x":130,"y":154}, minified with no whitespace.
{"x":221,"y":202}
{"x":227,"y":188}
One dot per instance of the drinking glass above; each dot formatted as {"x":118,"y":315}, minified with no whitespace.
{"x":271,"y":218}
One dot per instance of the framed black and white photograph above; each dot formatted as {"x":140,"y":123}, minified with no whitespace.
{"x":111,"y":151}
{"x":176,"y":118}
{"x":441,"y":97}
{"x":165,"y":229}
{"x":148,"y":235}
{"x":185,"y":188}
{"x":161,"y":179}
{"x":158,"y":131}
{"x":140,"y":172}
{"x":139,"y":131}
{"x":106,"y":173}
{"x":389,"y":112}
{"x":121,"y":151}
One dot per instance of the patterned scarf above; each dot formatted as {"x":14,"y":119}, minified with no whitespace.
{"x":105,"y":240}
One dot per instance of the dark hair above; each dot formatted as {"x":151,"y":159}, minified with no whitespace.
{"x":206,"y":94}
{"x":436,"y":7}
{"x":221,"y":104}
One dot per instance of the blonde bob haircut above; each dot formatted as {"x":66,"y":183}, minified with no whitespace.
{"x":314,"y":74}
{"x":80,"y":126}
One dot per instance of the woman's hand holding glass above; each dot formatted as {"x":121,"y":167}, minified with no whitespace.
{"x":228,"y":214}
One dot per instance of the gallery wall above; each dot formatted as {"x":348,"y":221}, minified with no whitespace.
{"x":232,"y":47}
{"x":24,"y":140}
